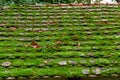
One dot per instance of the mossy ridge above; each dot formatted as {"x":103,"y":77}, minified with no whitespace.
{"x":64,"y":71}
{"x":54,"y":63}
{"x":67,"y":35}
{"x":54,"y":55}
{"x":64,"y":14}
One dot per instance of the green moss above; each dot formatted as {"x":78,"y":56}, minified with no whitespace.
{"x":85,"y":38}
{"x":20,"y":72}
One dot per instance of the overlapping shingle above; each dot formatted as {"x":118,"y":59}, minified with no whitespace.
{"x":52,"y":41}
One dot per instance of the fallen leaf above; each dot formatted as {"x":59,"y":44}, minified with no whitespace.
{"x":35,"y":45}
{"x":58,"y":42}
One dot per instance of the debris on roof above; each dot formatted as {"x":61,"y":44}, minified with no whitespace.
{"x":59,"y":41}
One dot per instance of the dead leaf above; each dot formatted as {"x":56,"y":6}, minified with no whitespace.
{"x":35,"y":45}
{"x":58,"y":42}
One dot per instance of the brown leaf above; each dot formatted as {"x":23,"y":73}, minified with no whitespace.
{"x":58,"y":42}
{"x":33,"y":43}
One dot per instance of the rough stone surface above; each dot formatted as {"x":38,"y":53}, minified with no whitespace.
{"x":72,"y":62}
{"x":63,"y":63}
{"x":6,"y":64}
{"x":85,"y":71}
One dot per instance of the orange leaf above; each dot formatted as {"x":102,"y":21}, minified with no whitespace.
{"x":33,"y":43}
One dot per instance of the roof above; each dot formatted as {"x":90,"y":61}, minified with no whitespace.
{"x":69,"y":41}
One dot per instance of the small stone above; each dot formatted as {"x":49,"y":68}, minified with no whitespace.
{"x":21,"y":34}
{"x":20,"y":78}
{"x":83,"y":61}
{"x":28,"y":29}
{"x":92,"y":75}
{"x":104,"y":20}
{"x":22,"y":39}
{"x":41,"y":65}
{"x":19,"y":45}
{"x":94,"y":47}
{"x":97,"y":70}
{"x":6,"y":7}
{"x":45,"y":76}
{"x":6,"y":64}
{"x":82,"y":55}
{"x":85,"y":71}
{"x":118,"y":33}
{"x":44,"y":29}
{"x":10,"y":78}
{"x":114,"y":75}
{"x":57,"y":76}
{"x":63,"y":63}
{"x":92,"y":61}
{"x":25,"y":39}
{"x":90,"y":54}
{"x":89,"y":33}
{"x":61,"y":28}
{"x":72,"y":62}
{"x":45,"y":61}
